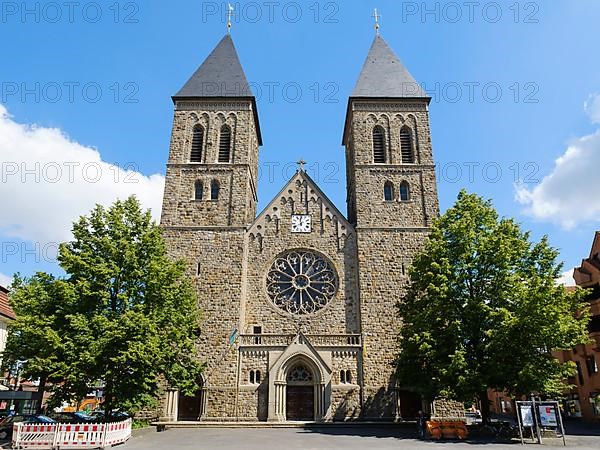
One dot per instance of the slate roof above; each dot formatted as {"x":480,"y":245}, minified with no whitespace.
{"x":220,"y":75}
{"x":383,"y":75}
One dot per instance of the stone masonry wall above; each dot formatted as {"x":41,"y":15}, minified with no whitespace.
{"x":389,"y":233}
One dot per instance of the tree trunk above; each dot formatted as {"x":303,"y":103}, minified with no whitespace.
{"x":485,"y":407}
{"x":41,"y":389}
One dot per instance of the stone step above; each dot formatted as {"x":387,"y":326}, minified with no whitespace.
{"x":291,"y":424}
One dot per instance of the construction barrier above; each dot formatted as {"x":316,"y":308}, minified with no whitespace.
{"x":66,"y":436}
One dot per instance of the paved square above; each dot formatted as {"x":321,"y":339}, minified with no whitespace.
{"x":321,"y":439}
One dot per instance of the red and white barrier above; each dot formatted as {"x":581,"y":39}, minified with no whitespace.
{"x":88,"y":435}
{"x":31,"y":435}
{"x":117,"y":433}
{"x":66,"y":436}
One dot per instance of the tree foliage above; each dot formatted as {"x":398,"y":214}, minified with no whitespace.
{"x":125,"y":315}
{"x":483,"y":310}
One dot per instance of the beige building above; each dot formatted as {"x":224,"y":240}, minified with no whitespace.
{"x":584,"y":399}
{"x":298,"y":302}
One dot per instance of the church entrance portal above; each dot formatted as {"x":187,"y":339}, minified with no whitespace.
{"x":300,"y":394}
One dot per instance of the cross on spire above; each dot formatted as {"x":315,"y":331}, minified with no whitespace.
{"x":229,"y":16}
{"x":301,"y":164}
{"x":376,"y":16}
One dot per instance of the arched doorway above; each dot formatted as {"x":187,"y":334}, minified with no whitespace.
{"x":192,"y":408}
{"x":300,"y":393}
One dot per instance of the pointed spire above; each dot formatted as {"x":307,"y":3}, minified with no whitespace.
{"x":220,"y":75}
{"x":383,"y":75}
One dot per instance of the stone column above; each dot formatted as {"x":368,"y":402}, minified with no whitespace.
{"x":319,"y":401}
{"x":280,"y":400}
{"x":171,"y":406}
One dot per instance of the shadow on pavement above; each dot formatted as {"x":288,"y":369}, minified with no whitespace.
{"x":577,"y":428}
{"x":399,"y":432}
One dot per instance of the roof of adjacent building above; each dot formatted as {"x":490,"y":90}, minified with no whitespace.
{"x":220,"y":75}
{"x":588,"y":274}
{"x":5,"y":309}
{"x":384,"y":76}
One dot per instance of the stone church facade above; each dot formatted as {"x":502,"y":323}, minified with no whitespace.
{"x":298,"y":302}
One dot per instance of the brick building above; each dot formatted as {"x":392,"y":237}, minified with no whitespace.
{"x":584,"y":400}
{"x":298,"y":301}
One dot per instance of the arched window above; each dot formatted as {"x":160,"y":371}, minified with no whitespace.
{"x":225,"y":144}
{"x":348,"y":376}
{"x":378,"y":145}
{"x":251,"y":377}
{"x":197,"y":144}
{"x":257,"y":377}
{"x":404,"y":191}
{"x":406,"y":147}
{"x":214,"y":190}
{"x":342,"y":376}
{"x":388,"y":191}
{"x":198,"y":190}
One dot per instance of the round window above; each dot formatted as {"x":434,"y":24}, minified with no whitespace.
{"x":301,"y":282}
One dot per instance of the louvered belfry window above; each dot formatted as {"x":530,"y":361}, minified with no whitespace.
{"x":378,"y":145}
{"x":406,"y":146}
{"x":225,"y":144}
{"x":197,"y":143}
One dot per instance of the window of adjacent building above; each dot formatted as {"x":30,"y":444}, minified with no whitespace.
{"x":197,"y":144}
{"x":198,"y":190}
{"x":225,"y":144}
{"x":592,"y":365}
{"x":594,"y":325}
{"x":404,"y":191}
{"x":579,"y":373}
{"x":406,"y":147}
{"x":388,"y":191}
{"x":214,"y":190}
{"x":379,"y":145}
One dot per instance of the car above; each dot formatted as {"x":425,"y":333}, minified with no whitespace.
{"x":71,"y":417}
{"x":115,"y":416}
{"x":6,"y":425}
{"x":473,"y":418}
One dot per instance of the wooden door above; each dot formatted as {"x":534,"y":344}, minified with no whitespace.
{"x":300,"y":402}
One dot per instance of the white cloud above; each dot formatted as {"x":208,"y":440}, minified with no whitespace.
{"x":592,"y":108}
{"x":48,"y":181}
{"x":566,"y":278}
{"x":5,"y":280}
{"x":569,"y":194}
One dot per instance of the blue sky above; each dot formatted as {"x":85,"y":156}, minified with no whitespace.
{"x":509,"y":82}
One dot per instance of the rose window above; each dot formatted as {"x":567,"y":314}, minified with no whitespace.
{"x":301,"y":282}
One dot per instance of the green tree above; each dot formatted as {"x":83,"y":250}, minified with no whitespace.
{"x":483,"y":310}
{"x":41,"y":304}
{"x":131,"y":318}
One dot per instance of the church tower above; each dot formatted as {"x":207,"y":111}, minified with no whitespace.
{"x":392,"y":201}
{"x":210,"y":198}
